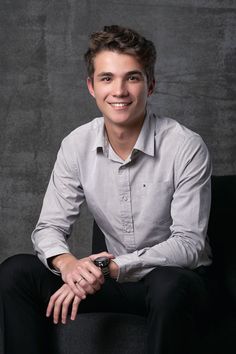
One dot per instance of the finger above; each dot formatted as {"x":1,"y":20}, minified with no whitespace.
{"x":65,"y":305}
{"x":58,"y":307}
{"x":92,"y":280}
{"x":85,"y":286}
{"x":75,"y":307}
{"x":49,"y":308}
{"x":101,"y":254}
{"x":89,"y":289}
{"x":75,"y":287}
{"x":52,"y":300}
{"x":91,"y":272}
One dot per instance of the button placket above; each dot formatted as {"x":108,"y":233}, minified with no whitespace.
{"x":125,"y":208}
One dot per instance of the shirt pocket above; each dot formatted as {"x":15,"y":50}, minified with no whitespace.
{"x":154,"y":201}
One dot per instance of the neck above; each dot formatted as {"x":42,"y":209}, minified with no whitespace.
{"x":123,"y":139}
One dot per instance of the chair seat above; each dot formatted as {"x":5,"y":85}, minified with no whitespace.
{"x":103,"y":333}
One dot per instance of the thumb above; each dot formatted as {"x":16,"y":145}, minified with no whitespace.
{"x":101,"y":254}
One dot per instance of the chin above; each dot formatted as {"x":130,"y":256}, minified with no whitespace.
{"x":120,"y":120}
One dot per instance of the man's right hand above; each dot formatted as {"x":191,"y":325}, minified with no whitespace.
{"x":82,"y":276}
{"x":60,"y":303}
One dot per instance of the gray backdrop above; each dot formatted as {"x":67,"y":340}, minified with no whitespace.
{"x":44,"y":96}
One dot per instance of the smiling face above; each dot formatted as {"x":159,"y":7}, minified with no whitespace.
{"x":120,"y":88}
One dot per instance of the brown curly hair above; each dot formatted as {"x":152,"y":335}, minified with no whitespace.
{"x":125,"y":41}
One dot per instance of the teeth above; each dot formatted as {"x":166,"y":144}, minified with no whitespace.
{"x":119,"y":104}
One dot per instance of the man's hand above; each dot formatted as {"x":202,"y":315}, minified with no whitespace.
{"x":59,"y":304}
{"x":74,"y":291}
{"x":82,"y":276}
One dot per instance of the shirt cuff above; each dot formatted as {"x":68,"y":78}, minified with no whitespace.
{"x":131,"y":268}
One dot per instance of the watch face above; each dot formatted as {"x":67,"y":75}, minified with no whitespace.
{"x":101,"y":261}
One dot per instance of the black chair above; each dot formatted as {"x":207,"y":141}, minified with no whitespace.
{"x":101,"y":333}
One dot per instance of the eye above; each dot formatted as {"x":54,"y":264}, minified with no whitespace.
{"x":133,"y":78}
{"x":106,"y":79}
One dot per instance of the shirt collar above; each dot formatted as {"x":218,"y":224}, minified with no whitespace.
{"x":144,"y":143}
{"x":146,"y":138}
{"x":101,"y":140}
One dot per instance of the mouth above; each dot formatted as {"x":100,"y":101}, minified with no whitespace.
{"x":120,"y":104}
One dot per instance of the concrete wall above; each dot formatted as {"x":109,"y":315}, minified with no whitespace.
{"x":43,"y":95}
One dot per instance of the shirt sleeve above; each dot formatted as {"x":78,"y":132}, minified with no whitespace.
{"x":61,"y":206}
{"x":190,"y":210}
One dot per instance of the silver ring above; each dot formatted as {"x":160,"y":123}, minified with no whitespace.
{"x":79,"y":280}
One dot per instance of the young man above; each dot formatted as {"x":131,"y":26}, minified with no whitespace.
{"x":146,"y":181}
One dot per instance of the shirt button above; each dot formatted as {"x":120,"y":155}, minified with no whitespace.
{"x":125,"y":197}
{"x":127,"y":228}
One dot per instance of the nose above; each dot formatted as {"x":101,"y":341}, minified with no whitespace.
{"x":120,"y":88}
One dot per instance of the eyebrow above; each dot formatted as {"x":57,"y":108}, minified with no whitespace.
{"x":105,"y":74}
{"x":133,"y":72}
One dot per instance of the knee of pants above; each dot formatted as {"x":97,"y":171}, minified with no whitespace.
{"x":173,"y":290}
{"x":14,"y":269}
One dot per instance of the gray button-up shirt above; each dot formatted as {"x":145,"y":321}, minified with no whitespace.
{"x":153,"y":208}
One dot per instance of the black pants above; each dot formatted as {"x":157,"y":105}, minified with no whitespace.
{"x":173,"y":299}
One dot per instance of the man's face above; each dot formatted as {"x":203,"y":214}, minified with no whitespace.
{"x":120,"y":88}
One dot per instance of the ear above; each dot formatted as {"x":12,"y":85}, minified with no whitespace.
{"x":151,"y":87}
{"x":90,"y":86}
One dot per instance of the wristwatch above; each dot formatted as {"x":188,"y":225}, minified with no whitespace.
{"x":102,"y":263}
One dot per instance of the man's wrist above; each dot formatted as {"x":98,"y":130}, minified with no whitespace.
{"x":58,"y":262}
{"x":113,"y":269}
